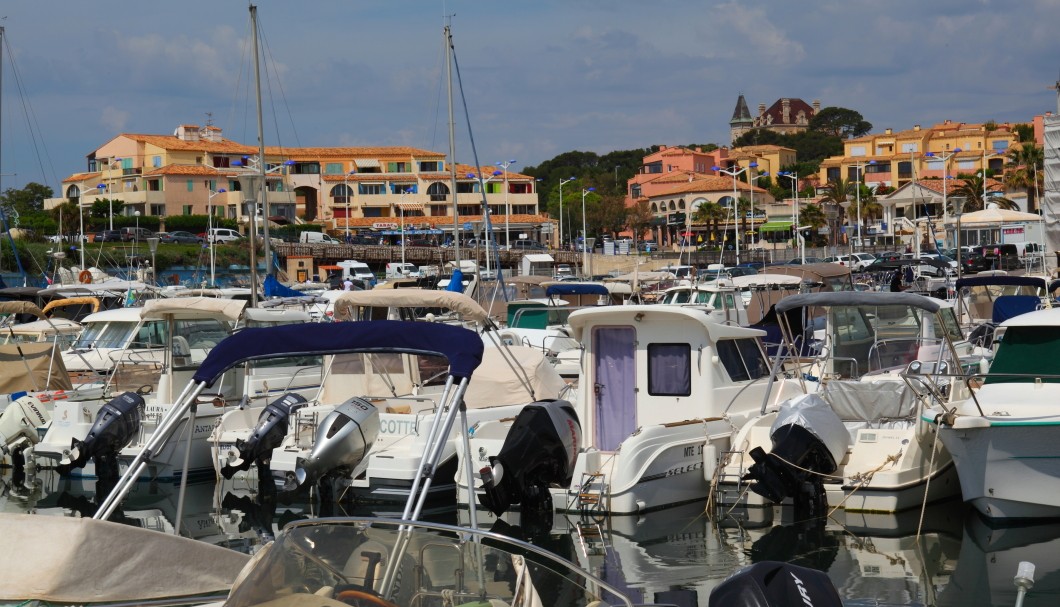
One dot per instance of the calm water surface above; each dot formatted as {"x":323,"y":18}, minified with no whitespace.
{"x":675,"y":556}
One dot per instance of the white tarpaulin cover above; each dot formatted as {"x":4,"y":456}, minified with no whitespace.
{"x":1050,"y":202}
{"x":81,"y":560}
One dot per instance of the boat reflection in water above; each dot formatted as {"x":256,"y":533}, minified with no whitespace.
{"x":674,"y":556}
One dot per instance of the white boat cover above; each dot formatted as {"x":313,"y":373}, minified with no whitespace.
{"x":193,"y":307}
{"x":496,"y":384}
{"x":409,"y":298}
{"x":82,"y":560}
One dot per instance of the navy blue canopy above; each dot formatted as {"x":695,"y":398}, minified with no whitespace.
{"x":461,"y":347}
{"x":1001,"y":280}
{"x":575,"y":288}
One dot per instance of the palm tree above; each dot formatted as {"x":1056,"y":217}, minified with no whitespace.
{"x":711,"y":214}
{"x":971,"y":192}
{"x":813,"y":216}
{"x":1028,"y":159}
{"x":836,"y":192}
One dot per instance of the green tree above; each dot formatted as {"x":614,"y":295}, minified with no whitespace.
{"x":1028,"y":159}
{"x":638,"y":218}
{"x":970,"y":191}
{"x":102,"y":208}
{"x":813,"y":216}
{"x":840,"y":122}
{"x":1024,"y":132}
{"x":837,"y":193}
{"x":710,"y":214}
{"x":29,"y":199}
{"x":607,"y":216}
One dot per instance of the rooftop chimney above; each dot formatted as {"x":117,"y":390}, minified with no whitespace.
{"x":886,"y":131}
{"x":916,"y":127}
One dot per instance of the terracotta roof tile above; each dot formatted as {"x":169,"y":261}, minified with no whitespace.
{"x":444,"y":220}
{"x":707,"y":183}
{"x":82,"y":177}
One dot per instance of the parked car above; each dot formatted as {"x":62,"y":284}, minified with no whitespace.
{"x":1002,"y":256}
{"x":107,"y":236}
{"x":180,"y":236}
{"x":137,"y":234}
{"x":856,"y":262}
{"x":222,"y":235}
{"x":527,"y":245}
{"x":974,"y":262}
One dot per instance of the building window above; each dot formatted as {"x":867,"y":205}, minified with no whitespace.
{"x":909,"y":147}
{"x":186,"y":209}
{"x":879,"y":167}
{"x":857,"y":150}
{"x":905,"y":170}
{"x":634,"y":190}
{"x":438,"y":192}
{"x":154,"y":185}
{"x":158,"y":210}
{"x":156,"y":161}
{"x":397,"y":167}
{"x":305,"y":168}
{"x":999,"y":146}
{"x":653,"y":167}
{"x":369,"y":189}
{"x":430,"y":166}
{"x":341,"y":193}
{"x":966,"y":164}
{"x":221,"y":162}
{"x":669,"y":369}
{"x":832,"y":173}
{"x":372,"y":212}
{"x":333,"y":168}
{"x":191,"y":185}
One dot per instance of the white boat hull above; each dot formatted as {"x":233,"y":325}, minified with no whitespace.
{"x":1007,"y":471}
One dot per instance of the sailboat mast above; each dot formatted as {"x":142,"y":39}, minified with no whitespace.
{"x":452,"y":141}
{"x":261,"y":149}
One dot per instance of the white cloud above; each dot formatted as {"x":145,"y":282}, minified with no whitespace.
{"x":114,"y":119}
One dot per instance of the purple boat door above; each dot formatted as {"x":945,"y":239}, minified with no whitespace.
{"x":615,"y":374}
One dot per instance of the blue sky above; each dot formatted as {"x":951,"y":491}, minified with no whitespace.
{"x":540,"y":78}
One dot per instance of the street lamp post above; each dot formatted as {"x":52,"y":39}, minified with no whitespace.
{"x":507,"y":207}
{"x":346,"y":195}
{"x":210,"y":235}
{"x":945,"y":158}
{"x":859,"y":167}
{"x":102,"y":187}
{"x":585,"y":234}
{"x":561,"y":182}
{"x":736,"y":200}
{"x":751,"y":181}
{"x":401,"y":210}
{"x":794,"y":177}
{"x":152,"y":244}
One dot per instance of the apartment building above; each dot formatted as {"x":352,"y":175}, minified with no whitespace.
{"x":197,"y":171}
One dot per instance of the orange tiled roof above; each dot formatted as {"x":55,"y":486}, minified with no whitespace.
{"x":170,"y":142}
{"x":312,"y":153}
{"x":187,"y":169}
{"x":82,"y":177}
{"x":935,"y":185}
{"x":707,"y":183}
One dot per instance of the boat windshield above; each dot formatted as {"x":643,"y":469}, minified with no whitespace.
{"x":1026,"y":354}
{"x":105,"y":334}
{"x":342,"y":562}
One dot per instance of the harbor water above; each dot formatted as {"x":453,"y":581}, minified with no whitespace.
{"x":674,"y":556}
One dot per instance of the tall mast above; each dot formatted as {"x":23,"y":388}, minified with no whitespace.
{"x":452,"y":141}
{"x":261,"y":149}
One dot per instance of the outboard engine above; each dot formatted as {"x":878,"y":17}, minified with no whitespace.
{"x":775,"y":584}
{"x":116,"y":425}
{"x":807,"y":435}
{"x":267,"y":435}
{"x":342,"y":441}
{"x":19,"y":422}
{"x":540,"y":450}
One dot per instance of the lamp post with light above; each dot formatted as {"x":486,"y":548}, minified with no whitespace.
{"x":507,"y":207}
{"x":585,"y":234}
{"x":794,"y":177}
{"x":736,"y":200}
{"x":210,"y":235}
{"x":860,"y":167}
{"x":346,"y":195}
{"x":561,"y":182}
{"x":751,"y":190}
{"x":945,"y":159}
{"x":152,"y":245}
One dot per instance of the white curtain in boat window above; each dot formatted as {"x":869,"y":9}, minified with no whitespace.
{"x":614,"y":390}
{"x":669,"y":369}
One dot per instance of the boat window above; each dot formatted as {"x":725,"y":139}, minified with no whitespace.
{"x":838,"y":283}
{"x":151,"y":334}
{"x":1026,"y":354}
{"x":105,"y":335}
{"x":742,"y":358}
{"x":704,"y":297}
{"x":729,"y":301}
{"x":950,"y":327}
{"x":669,"y":369}
{"x":201,"y":333}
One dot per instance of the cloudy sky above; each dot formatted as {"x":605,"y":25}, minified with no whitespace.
{"x":540,"y":77}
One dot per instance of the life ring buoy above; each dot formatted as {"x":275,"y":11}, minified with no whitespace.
{"x":85,"y":277}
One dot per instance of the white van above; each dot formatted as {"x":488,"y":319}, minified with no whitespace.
{"x":357,"y":270}
{"x":316,"y":238}
{"x":223,"y":235}
{"x":401,"y":270}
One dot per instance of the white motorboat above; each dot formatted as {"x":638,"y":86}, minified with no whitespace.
{"x":660,"y":390}
{"x":1001,"y":427}
{"x":854,"y":437}
{"x":405,"y":389}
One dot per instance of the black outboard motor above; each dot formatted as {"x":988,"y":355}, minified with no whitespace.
{"x":116,"y":425}
{"x":807,"y":435}
{"x":267,"y":435}
{"x":775,"y":584}
{"x":540,"y":450}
